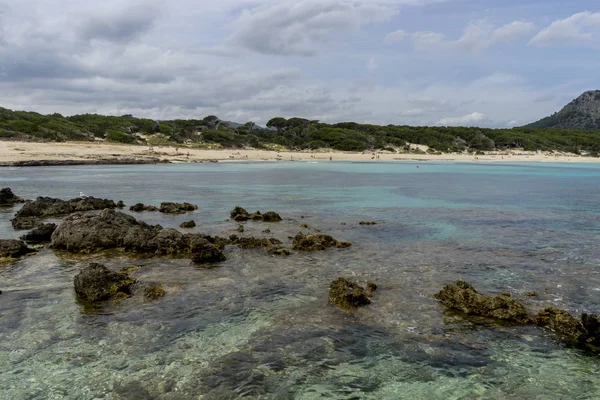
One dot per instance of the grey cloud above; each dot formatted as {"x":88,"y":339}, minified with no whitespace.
{"x":299,"y":28}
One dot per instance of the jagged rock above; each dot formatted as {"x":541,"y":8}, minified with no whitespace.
{"x":188,"y":224}
{"x":23,"y":223}
{"x":585,"y":329}
{"x":279,"y":251}
{"x":463,"y":297}
{"x":139,"y":207}
{"x":97,"y":283}
{"x":154,"y":292}
{"x":349,"y":295}
{"x":240,"y":214}
{"x":271,"y":216}
{"x":120,"y":204}
{"x":12,"y":248}
{"x":176,"y":208}
{"x":41,"y":234}
{"x":308,"y":242}
{"x":204,"y":252}
{"x":8,"y":198}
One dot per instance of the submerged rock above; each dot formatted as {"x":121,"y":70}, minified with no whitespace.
{"x":188,"y":224}
{"x":271,"y":216}
{"x":584,"y":330}
{"x":308,"y":242}
{"x":279,"y":251}
{"x":97,"y":283}
{"x":154,"y":292}
{"x":176,"y":208}
{"x":463,"y":297}
{"x":139,"y":207}
{"x":41,"y":234}
{"x":12,"y":248}
{"x":253,"y":242}
{"x":367,"y":223}
{"x":8,"y":198}
{"x":349,"y":295}
{"x":240,"y":228}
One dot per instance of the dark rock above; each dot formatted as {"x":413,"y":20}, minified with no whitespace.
{"x":585,"y":330}
{"x":253,"y":243}
{"x":120,"y":204}
{"x":23,"y":223}
{"x":154,"y":292}
{"x":44,"y":207}
{"x":169,"y":242}
{"x":279,"y":251}
{"x":12,"y":248}
{"x":97,"y":283}
{"x":463,"y":297}
{"x":348,"y":295}
{"x":271,"y":216}
{"x":176,"y":208}
{"x":139,"y":207}
{"x":531,"y":294}
{"x":266,"y":231}
{"x":41,"y":234}
{"x":188,"y":224}
{"x":8,"y":198}
{"x":367,"y":223}
{"x":240,"y":228}
{"x":237,"y":211}
{"x":371,"y":286}
{"x":308,"y":242}
{"x":204,"y":252}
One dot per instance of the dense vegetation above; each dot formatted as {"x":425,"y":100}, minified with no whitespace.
{"x":293,"y":133}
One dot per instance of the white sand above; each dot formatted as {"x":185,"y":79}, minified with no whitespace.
{"x":11,"y":151}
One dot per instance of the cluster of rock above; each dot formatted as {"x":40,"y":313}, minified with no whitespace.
{"x":461,"y":296}
{"x":32,"y":213}
{"x":309,"y":242}
{"x":12,"y":248}
{"x":97,"y":283}
{"x":165,"y":207}
{"x":239,"y":214}
{"x":8,"y":198}
{"x":350,"y":295}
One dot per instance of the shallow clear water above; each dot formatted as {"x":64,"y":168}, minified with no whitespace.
{"x":261,"y":327}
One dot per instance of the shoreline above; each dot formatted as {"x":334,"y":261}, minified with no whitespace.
{"x":29,"y":154}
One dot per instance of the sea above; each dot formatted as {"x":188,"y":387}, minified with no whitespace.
{"x":261,"y":327}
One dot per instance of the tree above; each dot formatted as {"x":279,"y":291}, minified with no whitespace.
{"x":212,"y":122}
{"x":278,"y":123}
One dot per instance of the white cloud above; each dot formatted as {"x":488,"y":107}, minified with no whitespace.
{"x":299,"y":28}
{"x":476,"y":36}
{"x":394,"y":37}
{"x":582,"y":28}
{"x":465,"y":120}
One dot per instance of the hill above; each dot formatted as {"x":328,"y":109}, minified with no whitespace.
{"x":582,"y":113}
{"x":292,"y":133}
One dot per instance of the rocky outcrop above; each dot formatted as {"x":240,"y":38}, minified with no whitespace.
{"x":585,"y":330}
{"x":350,"y":295}
{"x":462,"y":297}
{"x":188,"y":224}
{"x":240,"y":214}
{"x":33,"y":212}
{"x":41,"y":234}
{"x":154,"y":292}
{"x":12,"y":248}
{"x":176,"y":208}
{"x":308,"y":242}
{"x":97,"y":283}
{"x":253,"y":242}
{"x":205,"y":252}
{"x":120,"y":204}
{"x":139,"y":207}
{"x":8,"y":198}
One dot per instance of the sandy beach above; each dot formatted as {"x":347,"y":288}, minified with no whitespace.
{"x":17,"y":153}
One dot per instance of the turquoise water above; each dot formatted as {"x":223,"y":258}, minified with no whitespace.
{"x":261,"y":327}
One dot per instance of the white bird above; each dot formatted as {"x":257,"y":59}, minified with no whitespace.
{"x":83,"y":195}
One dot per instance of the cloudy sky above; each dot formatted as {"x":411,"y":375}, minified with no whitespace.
{"x":417,"y":62}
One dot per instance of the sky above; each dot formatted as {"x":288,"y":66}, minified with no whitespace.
{"x":489,"y":63}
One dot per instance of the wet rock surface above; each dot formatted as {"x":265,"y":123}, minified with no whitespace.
{"x":253,"y":242}
{"x":41,"y":234}
{"x":188,"y":224}
{"x":461,"y":296}
{"x":154,"y":292}
{"x":23,"y":223}
{"x":8,"y":198}
{"x":367,"y":223}
{"x":139,"y":207}
{"x":309,"y":242}
{"x":12,"y":248}
{"x":96,"y":283}
{"x":240,"y":214}
{"x":176,"y":208}
{"x":585,"y":330}
{"x":350,"y":295}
